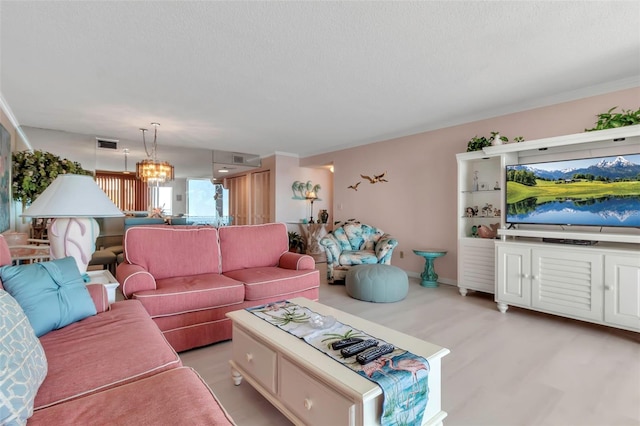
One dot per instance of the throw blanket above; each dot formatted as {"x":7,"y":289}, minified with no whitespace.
{"x":402,"y":375}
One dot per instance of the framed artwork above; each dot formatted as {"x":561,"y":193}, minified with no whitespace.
{"x":5,"y":178}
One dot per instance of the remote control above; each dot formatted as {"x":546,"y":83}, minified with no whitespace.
{"x":358,"y":347}
{"x":374,"y":353}
{"x":345,"y":342}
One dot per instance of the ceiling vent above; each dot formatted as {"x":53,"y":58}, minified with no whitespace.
{"x":107,"y":143}
{"x":238,"y":159}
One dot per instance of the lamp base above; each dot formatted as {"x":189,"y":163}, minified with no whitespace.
{"x":75,"y":237}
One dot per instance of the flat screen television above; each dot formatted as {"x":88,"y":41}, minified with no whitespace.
{"x":600,"y":191}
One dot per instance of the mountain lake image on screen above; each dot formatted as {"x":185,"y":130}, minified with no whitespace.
{"x":600,"y":191}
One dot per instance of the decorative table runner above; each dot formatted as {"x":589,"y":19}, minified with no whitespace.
{"x":402,"y":375}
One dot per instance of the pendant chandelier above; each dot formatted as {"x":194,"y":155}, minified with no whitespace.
{"x":151,"y":170}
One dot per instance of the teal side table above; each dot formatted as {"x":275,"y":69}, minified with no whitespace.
{"x":429,"y":276}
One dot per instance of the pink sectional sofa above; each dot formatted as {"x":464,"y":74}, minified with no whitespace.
{"x":114,"y":367}
{"x":189,"y":277}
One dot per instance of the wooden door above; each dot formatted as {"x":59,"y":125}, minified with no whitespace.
{"x":239,"y":199}
{"x":250,"y":198}
{"x":260,"y":197}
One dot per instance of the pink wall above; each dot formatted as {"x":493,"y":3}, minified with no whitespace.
{"x":287,"y":171}
{"x":418,"y":204}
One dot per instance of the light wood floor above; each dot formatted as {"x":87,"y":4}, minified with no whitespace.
{"x":518,"y":368}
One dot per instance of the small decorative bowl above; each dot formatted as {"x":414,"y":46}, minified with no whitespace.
{"x":319,"y":321}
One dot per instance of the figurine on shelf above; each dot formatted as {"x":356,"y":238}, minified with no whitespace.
{"x":497,"y":186}
{"x":475,"y":180}
{"x":469,"y":212}
{"x":496,"y":212}
{"x":490,"y":231}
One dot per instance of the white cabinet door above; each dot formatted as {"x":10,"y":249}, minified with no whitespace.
{"x":514,"y":275}
{"x":622,"y":290}
{"x":476,"y":265}
{"x":567,"y":282}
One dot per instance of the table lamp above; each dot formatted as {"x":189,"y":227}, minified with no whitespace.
{"x":311,"y":196}
{"x":72,"y":201}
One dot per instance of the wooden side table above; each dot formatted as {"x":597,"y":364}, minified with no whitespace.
{"x":429,"y":276}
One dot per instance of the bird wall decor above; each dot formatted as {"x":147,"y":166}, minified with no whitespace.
{"x":354,"y":187}
{"x":375,"y":178}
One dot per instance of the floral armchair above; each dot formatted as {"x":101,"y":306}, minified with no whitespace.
{"x":355,"y":243}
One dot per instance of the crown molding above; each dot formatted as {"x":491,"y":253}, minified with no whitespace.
{"x":14,"y":121}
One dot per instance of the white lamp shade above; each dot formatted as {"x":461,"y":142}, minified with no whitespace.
{"x":73,"y":196}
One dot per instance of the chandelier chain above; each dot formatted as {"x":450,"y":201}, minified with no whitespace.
{"x":155,"y":141}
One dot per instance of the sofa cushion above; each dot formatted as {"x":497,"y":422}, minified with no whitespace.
{"x":262,"y":283}
{"x":341,"y":238}
{"x":178,"y":396}
{"x":103,"y":351}
{"x":357,"y":257}
{"x":252,"y":246}
{"x":52,"y":294}
{"x":362,"y":236}
{"x":23,"y":365}
{"x":170,"y":251}
{"x":191,"y":293}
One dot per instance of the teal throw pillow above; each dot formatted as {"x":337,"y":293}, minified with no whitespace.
{"x":23,"y":364}
{"x":52,"y":294}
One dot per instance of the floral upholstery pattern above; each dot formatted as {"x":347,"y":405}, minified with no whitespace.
{"x":22,"y":360}
{"x":355,"y":244}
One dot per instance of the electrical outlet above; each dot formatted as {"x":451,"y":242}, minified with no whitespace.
{"x":401,"y":254}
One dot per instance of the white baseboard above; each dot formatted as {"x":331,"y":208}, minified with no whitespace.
{"x":441,"y":280}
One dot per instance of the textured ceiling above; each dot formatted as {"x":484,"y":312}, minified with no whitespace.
{"x":303,"y":77}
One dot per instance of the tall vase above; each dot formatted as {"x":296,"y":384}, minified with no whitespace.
{"x":324,"y":216}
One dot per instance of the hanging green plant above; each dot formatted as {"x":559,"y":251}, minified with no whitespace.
{"x":611,"y":120}
{"x":34,"y":171}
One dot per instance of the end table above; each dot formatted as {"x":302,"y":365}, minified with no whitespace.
{"x":107,"y":279}
{"x":429,"y":276}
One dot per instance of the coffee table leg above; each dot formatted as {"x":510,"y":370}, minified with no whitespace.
{"x":236,"y":376}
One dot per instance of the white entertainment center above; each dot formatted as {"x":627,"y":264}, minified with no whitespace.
{"x":599,"y":283}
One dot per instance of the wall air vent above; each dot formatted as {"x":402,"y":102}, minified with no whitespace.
{"x":240,"y":159}
{"x":107,"y":143}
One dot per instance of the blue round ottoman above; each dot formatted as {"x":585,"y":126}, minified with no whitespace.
{"x":377,"y":283}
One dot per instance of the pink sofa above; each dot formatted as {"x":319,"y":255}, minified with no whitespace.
{"x":189,"y":277}
{"x":114,"y":367}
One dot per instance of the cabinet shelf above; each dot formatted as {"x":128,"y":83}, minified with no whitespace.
{"x":486,"y":191}
{"x":629,"y":134}
{"x":595,"y":236}
{"x":482,"y":217}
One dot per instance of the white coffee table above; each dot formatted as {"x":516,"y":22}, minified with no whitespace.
{"x":107,"y":279}
{"x":309,"y":387}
